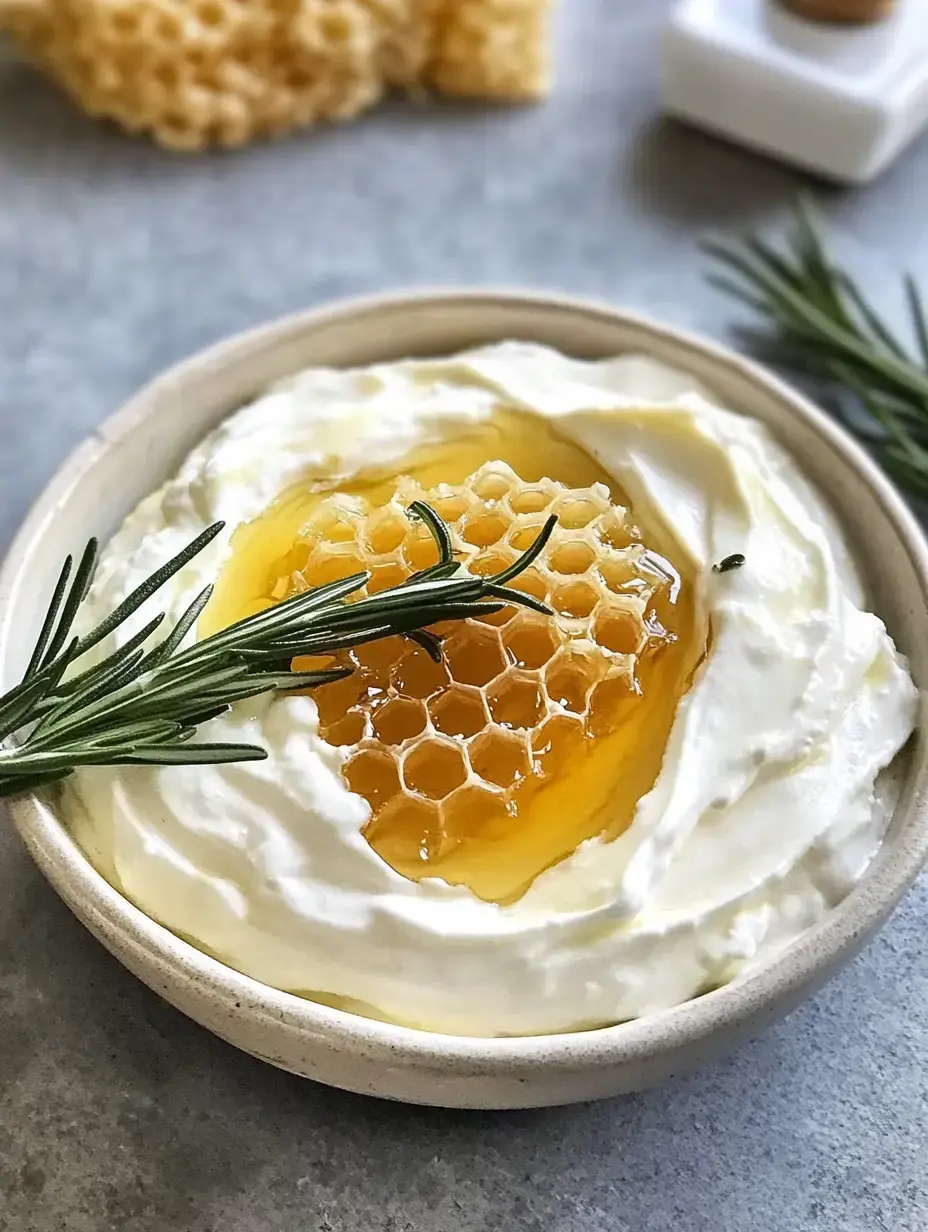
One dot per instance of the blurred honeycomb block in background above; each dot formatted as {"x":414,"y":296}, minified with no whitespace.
{"x":196,"y":73}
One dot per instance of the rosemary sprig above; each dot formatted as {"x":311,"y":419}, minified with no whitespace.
{"x":142,"y":704}
{"x":820,"y":312}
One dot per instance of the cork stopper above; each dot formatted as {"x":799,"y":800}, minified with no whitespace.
{"x":851,"y":11}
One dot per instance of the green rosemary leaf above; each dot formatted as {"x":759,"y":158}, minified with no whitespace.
{"x":769,"y":256}
{"x":919,"y":318}
{"x":814,"y":261}
{"x":747,"y":265}
{"x":871,"y":320}
{"x":19,"y":706}
{"x":20,"y":784}
{"x":75,"y":597}
{"x":187,"y":733}
{"x":15,"y":714}
{"x":736,"y":291}
{"x":334,"y":638}
{"x":140,"y":696}
{"x":402,"y":601}
{"x":874,"y":403}
{"x":909,"y":416}
{"x":150,"y":694}
{"x":796,"y":308}
{"x":442,"y":536}
{"x":258,"y":682}
{"x":144,"y":592}
{"x":327,"y":642}
{"x":512,"y":595}
{"x":50,"y":617}
{"x":51,"y":761}
{"x":430,"y":643}
{"x":103,"y":685}
{"x":250,"y":629}
{"x":434,"y":573}
{"x":130,"y":734}
{"x":288,"y":681}
{"x":193,"y":754}
{"x":527,"y":557}
{"x":166,"y":648}
{"x":196,"y":718}
{"x":12,"y":696}
{"x":820,"y":311}
{"x":808,"y":247}
{"x":91,"y":677}
{"x":907,"y":472}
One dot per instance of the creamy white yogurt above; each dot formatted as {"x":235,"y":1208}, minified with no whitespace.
{"x":766,"y":811}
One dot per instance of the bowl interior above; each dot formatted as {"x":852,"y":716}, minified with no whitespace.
{"x":135,"y":451}
{"x":141,"y":446}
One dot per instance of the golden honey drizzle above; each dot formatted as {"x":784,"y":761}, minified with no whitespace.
{"x":534,"y":733}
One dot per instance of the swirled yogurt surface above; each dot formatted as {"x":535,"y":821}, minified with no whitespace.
{"x":769,"y":805}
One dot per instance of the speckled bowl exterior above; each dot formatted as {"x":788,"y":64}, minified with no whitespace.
{"x":140,"y":446}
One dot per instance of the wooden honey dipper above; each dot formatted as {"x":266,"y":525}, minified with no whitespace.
{"x":849,"y":11}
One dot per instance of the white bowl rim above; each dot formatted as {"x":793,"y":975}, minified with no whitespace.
{"x":783,"y":977}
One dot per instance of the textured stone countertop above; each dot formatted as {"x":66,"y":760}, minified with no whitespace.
{"x":115,"y":259}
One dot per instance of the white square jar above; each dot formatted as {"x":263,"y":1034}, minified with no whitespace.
{"x":842,"y":100}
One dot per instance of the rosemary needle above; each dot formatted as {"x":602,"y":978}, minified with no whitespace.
{"x":143,"y":703}
{"x":820,"y":312}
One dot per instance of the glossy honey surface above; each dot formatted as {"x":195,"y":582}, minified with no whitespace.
{"x":534,"y":733}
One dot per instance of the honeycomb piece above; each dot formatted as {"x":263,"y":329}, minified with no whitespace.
{"x":528,"y":717}
{"x":492,"y":48}
{"x":195,"y":73}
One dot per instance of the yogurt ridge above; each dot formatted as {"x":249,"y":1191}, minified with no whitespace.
{"x":765,"y":814}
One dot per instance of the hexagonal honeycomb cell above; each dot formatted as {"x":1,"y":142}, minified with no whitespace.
{"x":534,"y":732}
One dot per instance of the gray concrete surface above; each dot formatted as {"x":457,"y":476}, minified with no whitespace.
{"x":116,"y":1112}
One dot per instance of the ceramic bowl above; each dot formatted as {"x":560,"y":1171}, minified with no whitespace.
{"x":140,"y":446}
